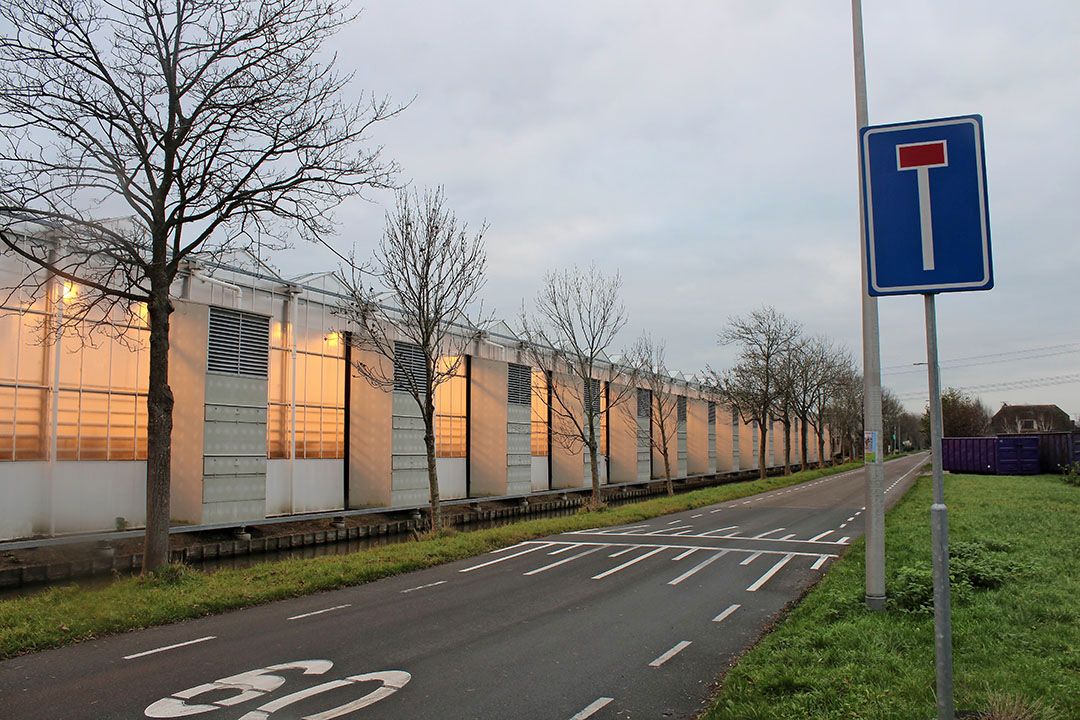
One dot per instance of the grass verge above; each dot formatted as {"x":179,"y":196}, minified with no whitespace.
{"x":69,"y":614}
{"x":1015,"y":645}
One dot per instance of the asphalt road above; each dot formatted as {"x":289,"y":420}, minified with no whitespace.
{"x":627,"y":622}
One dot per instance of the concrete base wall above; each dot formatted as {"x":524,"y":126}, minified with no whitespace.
{"x":86,"y":496}
{"x":318,"y":486}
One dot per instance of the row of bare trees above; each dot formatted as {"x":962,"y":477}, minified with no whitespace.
{"x":782,"y":374}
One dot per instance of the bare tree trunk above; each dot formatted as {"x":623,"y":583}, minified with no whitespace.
{"x":435,"y":511}
{"x":805,"y":437}
{"x":821,"y":448}
{"x":594,"y":465}
{"x":787,"y":445}
{"x":763,"y":436}
{"x":159,"y":422}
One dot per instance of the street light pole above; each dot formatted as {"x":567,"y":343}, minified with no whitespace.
{"x":872,"y":422}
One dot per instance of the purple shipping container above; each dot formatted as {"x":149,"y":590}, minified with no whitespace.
{"x":1057,"y":450}
{"x":1019,"y":455}
{"x":970,"y":455}
{"x":1015,"y":455}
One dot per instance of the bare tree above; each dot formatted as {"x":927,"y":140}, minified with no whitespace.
{"x":663,"y":411}
{"x":812,"y":365}
{"x":416,"y":328}
{"x":569,"y":337}
{"x":784,"y":409}
{"x":213,"y":123}
{"x":753,"y":386}
{"x":844,"y":413}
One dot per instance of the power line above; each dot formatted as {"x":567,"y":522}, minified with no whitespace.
{"x":1006,"y":385}
{"x":989,"y":359}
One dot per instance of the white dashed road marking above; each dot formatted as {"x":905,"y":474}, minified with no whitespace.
{"x":424,"y":587}
{"x":724,"y":615}
{"x":679,"y":647}
{"x":627,"y":564}
{"x":169,"y":647}
{"x":700,"y":566}
{"x":326,"y":610}
{"x":592,"y":708}
{"x":769,"y":573}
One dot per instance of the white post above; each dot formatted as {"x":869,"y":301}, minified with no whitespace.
{"x":875,"y":471}
{"x":54,"y":393}
{"x":294,"y":295}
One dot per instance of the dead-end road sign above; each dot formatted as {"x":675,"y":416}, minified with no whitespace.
{"x":924,"y":192}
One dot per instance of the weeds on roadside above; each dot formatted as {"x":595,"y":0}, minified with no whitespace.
{"x":973,"y":565}
{"x":1012,"y":707}
{"x":1071,"y":474}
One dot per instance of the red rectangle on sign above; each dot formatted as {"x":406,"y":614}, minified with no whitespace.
{"x":913,"y":156}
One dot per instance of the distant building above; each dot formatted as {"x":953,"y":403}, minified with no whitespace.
{"x":1030,"y":419}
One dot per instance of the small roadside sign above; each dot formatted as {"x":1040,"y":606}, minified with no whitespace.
{"x":925,"y":198}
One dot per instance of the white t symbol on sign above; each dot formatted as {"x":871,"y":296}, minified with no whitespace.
{"x":920,"y":157}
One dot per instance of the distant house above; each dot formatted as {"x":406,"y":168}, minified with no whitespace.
{"x":1030,"y":419}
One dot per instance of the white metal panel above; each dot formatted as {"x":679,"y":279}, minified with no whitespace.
{"x":452,"y":474}
{"x":91,"y":495}
{"x":539,"y":471}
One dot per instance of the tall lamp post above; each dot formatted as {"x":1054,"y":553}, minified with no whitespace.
{"x":872,"y":422}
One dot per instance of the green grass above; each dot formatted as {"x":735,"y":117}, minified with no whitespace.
{"x":64,"y":615}
{"x":1016,"y":645}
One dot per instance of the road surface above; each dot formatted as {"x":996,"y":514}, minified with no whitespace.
{"x":625,"y":622}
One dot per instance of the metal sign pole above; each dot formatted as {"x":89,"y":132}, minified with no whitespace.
{"x":872,"y":422}
{"x":939,"y":528}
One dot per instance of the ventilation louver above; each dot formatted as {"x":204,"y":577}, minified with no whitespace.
{"x":644,"y":403}
{"x":518,"y":384}
{"x":238,"y":343}
{"x":409,"y":364}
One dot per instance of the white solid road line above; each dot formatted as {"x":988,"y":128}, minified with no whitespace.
{"x":324,"y":610}
{"x":688,"y":553}
{"x":507,"y":557}
{"x":424,"y":587}
{"x":770,"y":532}
{"x":557,"y":563}
{"x":568,"y":548}
{"x":788,"y":537}
{"x":707,"y":533}
{"x":843,"y":540}
{"x":632,"y":548}
{"x":751,"y":559}
{"x":819,"y":562}
{"x":627,"y":564}
{"x":592,"y":708}
{"x":724,"y":615}
{"x":679,"y":647}
{"x":666,"y":529}
{"x":771,"y":571}
{"x":818,"y":537}
{"x":701,"y":565}
{"x":169,"y":647}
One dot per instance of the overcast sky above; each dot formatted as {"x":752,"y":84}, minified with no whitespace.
{"x":706,"y":151}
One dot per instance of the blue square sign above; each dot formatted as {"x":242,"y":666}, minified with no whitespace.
{"x":924,"y":195}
